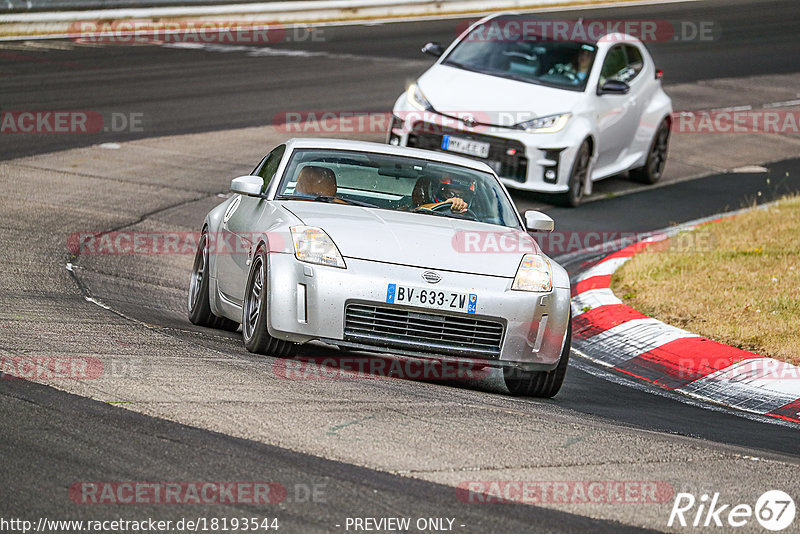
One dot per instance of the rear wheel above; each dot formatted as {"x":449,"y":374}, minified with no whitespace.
{"x":577,"y":178}
{"x":656,"y":157}
{"x":254,"y":313}
{"x":199,"y":306}
{"x":539,"y":383}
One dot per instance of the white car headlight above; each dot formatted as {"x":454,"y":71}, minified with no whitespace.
{"x":549,"y":124}
{"x":313,"y":245}
{"x":533,"y":274}
{"x":417,"y":99}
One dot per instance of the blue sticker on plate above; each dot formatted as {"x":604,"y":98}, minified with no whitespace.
{"x":473,"y":303}
{"x":445,"y":142}
{"x":390,"y":292}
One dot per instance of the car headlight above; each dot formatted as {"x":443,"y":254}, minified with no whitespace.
{"x":313,"y":245}
{"x":549,"y":124}
{"x":533,"y":274}
{"x":417,"y":99}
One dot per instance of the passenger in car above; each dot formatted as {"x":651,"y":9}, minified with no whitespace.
{"x":314,"y":181}
{"x":578,"y":69}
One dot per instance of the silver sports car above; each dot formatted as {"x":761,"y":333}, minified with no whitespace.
{"x":384,"y":249}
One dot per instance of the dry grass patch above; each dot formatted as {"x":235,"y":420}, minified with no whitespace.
{"x":736,"y":281}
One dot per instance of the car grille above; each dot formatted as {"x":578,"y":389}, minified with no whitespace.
{"x":422,"y":332}
{"x":429,"y":136}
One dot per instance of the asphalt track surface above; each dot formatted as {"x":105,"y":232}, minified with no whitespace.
{"x":51,"y":438}
{"x":184,"y":91}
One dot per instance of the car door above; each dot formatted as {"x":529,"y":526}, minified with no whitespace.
{"x":236,"y":231}
{"x":618,"y":114}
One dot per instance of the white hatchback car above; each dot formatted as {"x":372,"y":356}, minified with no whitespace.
{"x":547,"y":115}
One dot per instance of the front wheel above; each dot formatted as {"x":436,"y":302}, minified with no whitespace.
{"x":199,"y":306}
{"x":254,"y":313}
{"x":577,"y":178}
{"x":656,"y":157}
{"x":544,"y":384}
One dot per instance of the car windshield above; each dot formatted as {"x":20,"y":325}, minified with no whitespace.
{"x":524,"y":57}
{"x":399,"y":183}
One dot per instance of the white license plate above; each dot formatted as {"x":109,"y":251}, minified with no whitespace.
{"x":432,"y":298}
{"x":465,"y":146}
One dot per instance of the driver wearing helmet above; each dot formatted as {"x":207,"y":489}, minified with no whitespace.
{"x":429,"y":193}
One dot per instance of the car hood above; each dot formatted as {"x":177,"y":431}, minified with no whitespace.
{"x":491,"y":99}
{"x":418,"y":240}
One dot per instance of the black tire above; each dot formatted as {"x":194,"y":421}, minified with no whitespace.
{"x":254,"y":313}
{"x":544,"y":384}
{"x":656,"y":157}
{"x":577,"y":178}
{"x":199,"y":307}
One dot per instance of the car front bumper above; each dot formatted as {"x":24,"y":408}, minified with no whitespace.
{"x":309,"y":302}
{"x":540,"y":162}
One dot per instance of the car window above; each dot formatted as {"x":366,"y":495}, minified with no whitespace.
{"x":614,"y":65}
{"x":269,"y":165}
{"x":398,"y":183}
{"x":623,"y":63}
{"x":635,"y":62}
{"x":526,"y":58}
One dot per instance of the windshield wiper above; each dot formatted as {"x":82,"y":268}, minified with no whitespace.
{"x":328,"y":199}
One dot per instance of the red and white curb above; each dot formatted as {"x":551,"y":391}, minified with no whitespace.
{"x":617,"y":336}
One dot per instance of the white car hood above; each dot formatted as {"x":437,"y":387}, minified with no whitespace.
{"x":418,"y":240}
{"x":452,"y":90}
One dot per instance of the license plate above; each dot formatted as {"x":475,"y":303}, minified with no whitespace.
{"x":465,"y":146}
{"x":432,"y":298}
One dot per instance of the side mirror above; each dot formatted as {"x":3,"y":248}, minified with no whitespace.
{"x":536,"y":221}
{"x":248,"y":185}
{"x":433,"y":49}
{"x":614,"y":87}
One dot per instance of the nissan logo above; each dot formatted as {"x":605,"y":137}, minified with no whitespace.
{"x":431,"y":277}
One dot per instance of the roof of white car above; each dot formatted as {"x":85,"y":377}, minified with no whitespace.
{"x":379,"y":148}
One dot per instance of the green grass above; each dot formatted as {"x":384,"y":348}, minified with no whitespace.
{"x":736,"y":281}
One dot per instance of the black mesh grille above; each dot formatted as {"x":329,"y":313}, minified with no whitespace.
{"x":423,"y":332}
{"x":429,"y":136}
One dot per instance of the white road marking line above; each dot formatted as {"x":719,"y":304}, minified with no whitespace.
{"x":731,"y":108}
{"x":604,"y":268}
{"x":594,"y":298}
{"x":784,"y":104}
{"x":267,"y":51}
{"x":676,"y":395}
{"x":633,"y":338}
{"x":757,"y":385}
